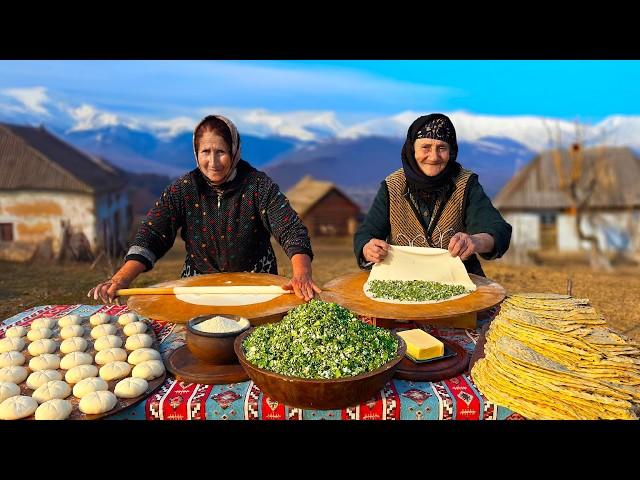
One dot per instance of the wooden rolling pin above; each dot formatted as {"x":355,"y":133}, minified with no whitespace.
{"x":218,"y":290}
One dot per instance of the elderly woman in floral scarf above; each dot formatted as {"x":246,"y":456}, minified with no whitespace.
{"x":432,"y":201}
{"x":227,"y":212}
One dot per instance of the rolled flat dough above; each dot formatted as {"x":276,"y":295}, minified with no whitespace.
{"x":231,"y":295}
{"x":420,"y":263}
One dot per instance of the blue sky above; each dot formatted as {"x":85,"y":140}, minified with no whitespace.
{"x":354,"y":90}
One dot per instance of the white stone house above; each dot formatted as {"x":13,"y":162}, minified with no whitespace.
{"x":53,"y":195}
{"x":543,"y":215}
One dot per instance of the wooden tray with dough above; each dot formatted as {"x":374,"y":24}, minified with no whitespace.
{"x":347,"y":292}
{"x":123,"y":403}
{"x":168,"y":308}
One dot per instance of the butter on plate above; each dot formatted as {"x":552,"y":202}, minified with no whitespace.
{"x":421,"y":345}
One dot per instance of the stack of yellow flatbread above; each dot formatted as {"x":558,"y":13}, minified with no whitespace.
{"x":551,"y":356}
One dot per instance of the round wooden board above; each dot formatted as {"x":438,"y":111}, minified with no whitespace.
{"x":347,"y":291}
{"x":122,"y":403}
{"x":436,"y":370}
{"x":168,"y":308}
{"x":184,"y":366}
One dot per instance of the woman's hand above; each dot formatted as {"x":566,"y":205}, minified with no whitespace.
{"x":375,"y":250}
{"x":301,"y":281}
{"x":303,"y":286}
{"x":106,"y":291}
{"x":464,"y":245}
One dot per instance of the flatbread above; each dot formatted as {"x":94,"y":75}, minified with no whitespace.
{"x":228,"y":296}
{"x":420,"y":263}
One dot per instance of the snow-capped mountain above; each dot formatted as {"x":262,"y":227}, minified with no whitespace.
{"x":288,"y":145}
{"x":535,"y":133}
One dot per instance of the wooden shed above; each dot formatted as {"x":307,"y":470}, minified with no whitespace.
{"x":324,"y":208}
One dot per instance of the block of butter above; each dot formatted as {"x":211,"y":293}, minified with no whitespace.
{"x":421,"y":345}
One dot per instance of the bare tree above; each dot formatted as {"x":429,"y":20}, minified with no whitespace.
{"x":580,"y":183}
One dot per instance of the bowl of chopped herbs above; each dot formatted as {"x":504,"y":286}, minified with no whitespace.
{"x":320,"y":356}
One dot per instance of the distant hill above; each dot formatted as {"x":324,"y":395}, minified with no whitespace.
{"x":142,"y":152}
{"x":359,"y":165}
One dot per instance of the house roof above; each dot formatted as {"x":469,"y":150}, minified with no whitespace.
{"x":308,"y":192}
{"x":538,"y":184}
{"x":33,"y":158}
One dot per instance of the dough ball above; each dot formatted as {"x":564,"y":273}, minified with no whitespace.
{"x":128,"y":317}
{"x":51,"y":390}
{"x":88,"y":385}
{"x":115,"y":371}
{"x":44,"y":323}
{"x":148,"y":370}
{"x":103,"y":330}
{"x":55,"y":409}
{"x":108,"y":341}
{"x":131,"y":387}
{"x":142,"y":355}
{"x":111,"y":355}
{"x":139,"y":340}
{"x":39,"y":378}
{"x":8,"y":390}
{"x":39,"y":333}
{"x":134,"y":327}
{"x":11,"y":359}
{"x":73,"y":344}
{"x":70,"y":320}
{"x":45,"y":345}
{"x":15,"y":408}
{"x":15,"y":374}
{"x":11,"y":344}
{"x":76,"y":374}
{"x":17,"y":331}
{"x":98,"y":402}
{"x":72,"y":331}
{"x":74,"y":359}
{"x":46,"y":361}
{"x":99,"y":319}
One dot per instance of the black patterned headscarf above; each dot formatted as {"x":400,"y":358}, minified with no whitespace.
{"x":438,"y":127}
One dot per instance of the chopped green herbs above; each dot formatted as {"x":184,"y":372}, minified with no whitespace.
{"x":413,"y":290}
{"x":320,"y":340}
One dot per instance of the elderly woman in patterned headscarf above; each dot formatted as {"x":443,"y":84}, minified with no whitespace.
{"x":432,"y":201}
{"x":227,"y":212}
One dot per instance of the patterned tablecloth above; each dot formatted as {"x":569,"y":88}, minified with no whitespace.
{"x":453,"y":399}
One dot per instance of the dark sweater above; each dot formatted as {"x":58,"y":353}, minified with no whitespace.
{"x":480,"y":216}
{"x":230,"y":232}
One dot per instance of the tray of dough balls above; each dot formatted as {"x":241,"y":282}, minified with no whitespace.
{"x":77,"y":368}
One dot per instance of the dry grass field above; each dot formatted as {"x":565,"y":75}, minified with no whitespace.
{"x":615,"y":294}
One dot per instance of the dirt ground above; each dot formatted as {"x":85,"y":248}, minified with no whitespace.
{"x":616,"y":294}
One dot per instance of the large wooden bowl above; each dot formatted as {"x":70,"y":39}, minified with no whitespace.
{"x":320,"y":394}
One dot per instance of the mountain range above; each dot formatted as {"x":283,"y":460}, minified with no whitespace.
{"x":356,"y":157}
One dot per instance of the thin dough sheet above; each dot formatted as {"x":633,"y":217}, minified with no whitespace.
{"x":420,"y":263}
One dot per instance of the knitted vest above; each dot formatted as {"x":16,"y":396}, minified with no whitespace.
{"x":406,"y":228}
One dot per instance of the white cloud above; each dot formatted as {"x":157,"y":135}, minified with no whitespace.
{"x":87,"y":117}
{"x":32,"y":98}
{"x":167,"y":129}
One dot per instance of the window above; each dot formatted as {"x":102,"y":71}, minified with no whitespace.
{"x":6,"y":232}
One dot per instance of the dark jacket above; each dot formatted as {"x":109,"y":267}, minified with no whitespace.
{"x":230,"y":232}
{"x":480,"y":216}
